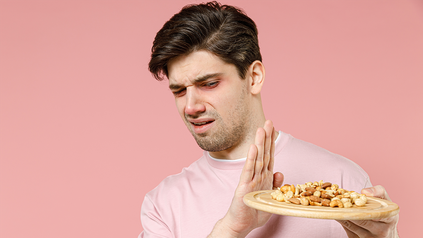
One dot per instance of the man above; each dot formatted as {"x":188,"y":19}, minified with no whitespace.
{"x":211,"y":56}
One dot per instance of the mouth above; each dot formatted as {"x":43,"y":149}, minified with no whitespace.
{"x":201,"y":125}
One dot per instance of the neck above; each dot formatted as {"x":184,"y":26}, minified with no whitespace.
{"x":237,"y":152}
{"x":240,"y":150}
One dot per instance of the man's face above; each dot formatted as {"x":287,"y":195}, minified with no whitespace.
{"x":211,"y":98}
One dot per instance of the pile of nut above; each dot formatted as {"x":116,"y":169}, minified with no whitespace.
{"x":319,"y":194}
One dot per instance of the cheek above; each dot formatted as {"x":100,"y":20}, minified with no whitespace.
{"x":226,"y":107}
{"x":180,"y":106}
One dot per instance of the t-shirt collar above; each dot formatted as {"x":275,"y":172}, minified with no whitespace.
{"x":233,"y":164}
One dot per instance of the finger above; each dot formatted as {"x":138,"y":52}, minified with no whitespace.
{"x":350,"y":234}
{"x":277,"y":179}
{"x":353,"y":230}
{"x":388,"y":220}
{"x":272,"y":151}
{"x":268,"y":128}
{"x":248,"y":170}
{"x":367,"y":227}
{"x":376,"y":191}
{"x":259,"y":142}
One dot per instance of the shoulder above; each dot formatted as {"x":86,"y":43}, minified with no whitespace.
{"x":313,"y":163}
{"x":161,"y":206}
{"x":297,"y":151}
{"x":174,"y":183}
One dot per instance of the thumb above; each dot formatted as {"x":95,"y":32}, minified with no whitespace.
{"x":376,"y":191}
{"x":277,"y":179}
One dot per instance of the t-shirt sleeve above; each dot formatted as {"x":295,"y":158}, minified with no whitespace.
{"x":152,"y":221}
{"x":368,"y":184}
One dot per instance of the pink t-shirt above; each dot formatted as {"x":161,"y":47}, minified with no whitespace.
{"x":190,"y":203}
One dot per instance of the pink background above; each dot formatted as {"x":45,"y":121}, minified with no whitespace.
{"x":86,"y":131}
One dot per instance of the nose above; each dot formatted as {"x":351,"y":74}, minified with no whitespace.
{"x":194,"y":102}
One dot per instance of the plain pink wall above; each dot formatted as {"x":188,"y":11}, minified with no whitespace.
{"x":86,"y":131}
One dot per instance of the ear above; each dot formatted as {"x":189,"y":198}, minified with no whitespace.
{"x":256,"y":72}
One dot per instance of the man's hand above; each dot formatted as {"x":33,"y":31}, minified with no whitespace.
{"x":257,"y":174}
{"x":373,"y":228}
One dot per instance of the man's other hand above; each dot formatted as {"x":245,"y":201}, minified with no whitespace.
{"x":386,"y":228}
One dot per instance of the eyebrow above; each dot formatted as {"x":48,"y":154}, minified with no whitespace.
{"x":196,"y":81}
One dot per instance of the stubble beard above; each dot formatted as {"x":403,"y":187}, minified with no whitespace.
{"x":224,"y":135}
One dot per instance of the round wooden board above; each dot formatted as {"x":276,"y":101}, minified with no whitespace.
{"x":375,"y":208}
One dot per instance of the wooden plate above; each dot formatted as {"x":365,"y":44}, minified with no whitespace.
{"x":375,"y":208}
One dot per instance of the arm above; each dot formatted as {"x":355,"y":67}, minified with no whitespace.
{"x":257,"y":174}
{"x":152,"y":222}
{"x":383,"y":228}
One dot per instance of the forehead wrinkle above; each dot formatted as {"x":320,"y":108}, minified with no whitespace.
{"x":181,"y":73}
{"x":191,"y":69}
{"x":196,"y":80}
{"x":203,"y":78}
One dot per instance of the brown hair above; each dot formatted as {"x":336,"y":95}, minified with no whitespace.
{"x":223,"y":30}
